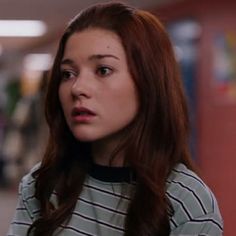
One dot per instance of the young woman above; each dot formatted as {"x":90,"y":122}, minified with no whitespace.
{"x":117,"y":160}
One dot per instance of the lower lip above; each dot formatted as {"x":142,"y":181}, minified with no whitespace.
{"x":83,"y":118}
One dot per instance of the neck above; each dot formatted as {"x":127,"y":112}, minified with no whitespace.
{"x":104,"y":154}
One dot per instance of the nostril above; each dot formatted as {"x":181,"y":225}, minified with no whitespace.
{"x":78,"y":94}
{"x":79,"y":89}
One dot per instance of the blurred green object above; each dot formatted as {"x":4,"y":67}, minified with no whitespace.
{"x":13,"y":95}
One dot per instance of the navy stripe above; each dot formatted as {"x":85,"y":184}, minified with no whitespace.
{"x":31,"y":182}
{"x":21,"y":223}
{"x":208,"y":220}
{"x":29,"y":198}
{"x":192,"y":176}
{"x":27,"y":185}
{"x":99,"y":222}
{"x":103,"y":207}
{"x":37,"y":211}
{"x":181,"y":203}
{"x":108,"y":192}
{"x":76,"y":230}
{"x":21,"y":209}
{"x":173,"y":222}
{"x":195,"y":195}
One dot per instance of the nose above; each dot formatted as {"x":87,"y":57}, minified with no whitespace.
{"x":80,"y":88}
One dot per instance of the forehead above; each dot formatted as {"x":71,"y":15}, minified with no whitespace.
{"x":94,"y":41}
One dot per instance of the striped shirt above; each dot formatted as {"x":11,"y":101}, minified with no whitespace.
{"x":102,"y":205}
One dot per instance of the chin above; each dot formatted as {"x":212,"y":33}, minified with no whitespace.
{"x":84,"y":137}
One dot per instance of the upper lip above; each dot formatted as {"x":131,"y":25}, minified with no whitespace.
{"x":77,"y":110}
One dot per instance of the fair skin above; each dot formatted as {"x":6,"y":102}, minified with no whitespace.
{"x":97,"y":92}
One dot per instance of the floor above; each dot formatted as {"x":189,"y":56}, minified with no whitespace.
{"x":8,"y":200}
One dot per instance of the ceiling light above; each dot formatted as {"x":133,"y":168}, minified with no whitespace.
{"x":22,"y":28}
{"x":38,"y":62}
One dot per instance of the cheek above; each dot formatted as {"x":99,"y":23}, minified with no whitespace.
{"x":129,"y":98}
{"x":124,"y":102}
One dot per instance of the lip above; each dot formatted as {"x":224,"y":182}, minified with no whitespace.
{"x":82,"y":114}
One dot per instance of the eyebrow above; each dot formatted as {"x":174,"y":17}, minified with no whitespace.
{"x":68,"y":61}
{"x":101,"y":56}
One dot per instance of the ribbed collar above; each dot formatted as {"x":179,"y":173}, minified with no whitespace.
{"x":110,"y":173}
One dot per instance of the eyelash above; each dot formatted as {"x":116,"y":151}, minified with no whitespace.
{"x":102,"y":68}
{"x":67,"y":74}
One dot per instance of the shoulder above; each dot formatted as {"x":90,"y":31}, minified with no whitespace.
{"x":27,"y":183}
{"x":27,"y":191}
{"x":191,"y":198}
{"x":184,"y":186}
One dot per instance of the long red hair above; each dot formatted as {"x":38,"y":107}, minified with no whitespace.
{"x":156,"y":142}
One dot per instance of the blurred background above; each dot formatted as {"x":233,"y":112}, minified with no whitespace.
{"x":203,"y":33}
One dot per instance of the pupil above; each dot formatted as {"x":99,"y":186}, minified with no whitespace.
{"x":103,"y":70}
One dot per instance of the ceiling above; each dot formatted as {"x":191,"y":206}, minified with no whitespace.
{"x":55,"y":13}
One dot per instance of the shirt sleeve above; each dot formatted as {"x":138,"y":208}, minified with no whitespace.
{"x":22,"y":218}
{"x":205,"y":225}
{"x":195,"y":208}
{"x":27,"y":209}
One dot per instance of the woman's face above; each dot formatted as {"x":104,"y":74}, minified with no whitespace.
{"x":97,"y":92}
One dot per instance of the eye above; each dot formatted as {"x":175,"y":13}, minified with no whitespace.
{"x":67,"y":74}
{"x":103,"y":71}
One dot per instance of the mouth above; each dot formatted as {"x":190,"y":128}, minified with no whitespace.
{"x":82,"y":114}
